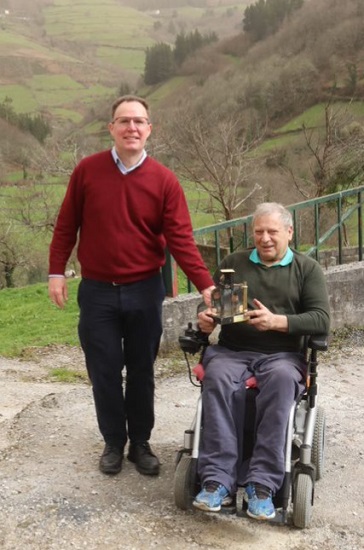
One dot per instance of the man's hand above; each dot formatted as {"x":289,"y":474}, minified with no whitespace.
{"x":57,"y":290}
{"x":205,"y":321}
{"x":206,"y":293}
{"x":263,"y":319}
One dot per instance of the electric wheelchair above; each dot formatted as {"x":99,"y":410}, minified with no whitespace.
{"x":305,"y":440}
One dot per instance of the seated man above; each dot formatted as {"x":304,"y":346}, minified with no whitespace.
{"x":287,"y":298}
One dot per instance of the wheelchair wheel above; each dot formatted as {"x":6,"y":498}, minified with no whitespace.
{"x":318,"y":443}
{"x":179,"y":455}
{"x":302,"y":501}
{"x":185,"y":482}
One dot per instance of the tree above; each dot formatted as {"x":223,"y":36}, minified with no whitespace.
{"x":336,"y":161}
{"x":36,"y":125}
{"x":159,"y":63}
{"x":35,"y":206}
{"x":266,"y":16}
{"x":292,"y":88}
{"x":336,"y":155}
{"x":255,"y":20}
{"x":11,"y":255}
{"x":218,"y":155}
{"x":353,"y":77}
{"x":181,"y":48}
{"x":28,"y":213}
{"x":124,"y":88}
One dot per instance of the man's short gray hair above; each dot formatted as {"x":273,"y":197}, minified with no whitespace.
{"x":269,"y":208}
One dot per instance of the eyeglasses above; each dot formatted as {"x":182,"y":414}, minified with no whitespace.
{"x":125,"y":121}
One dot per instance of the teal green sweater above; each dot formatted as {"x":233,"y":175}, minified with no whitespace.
{"x":297,"y":290}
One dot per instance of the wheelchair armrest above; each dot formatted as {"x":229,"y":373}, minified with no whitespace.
{"x":318,"y":342}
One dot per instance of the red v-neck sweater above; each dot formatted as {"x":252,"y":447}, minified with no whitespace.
{"x":124,"y":222}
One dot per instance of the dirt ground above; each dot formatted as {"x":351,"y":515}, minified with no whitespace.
{"x":52,"y":495}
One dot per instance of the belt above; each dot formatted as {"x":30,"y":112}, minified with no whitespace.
{"x":105,"y":283}
{"x":117,"y":283}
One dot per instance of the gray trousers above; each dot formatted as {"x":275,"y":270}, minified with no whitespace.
{"x":280,"y":378}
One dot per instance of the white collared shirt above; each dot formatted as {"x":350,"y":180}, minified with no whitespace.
{"x":119,"y":163}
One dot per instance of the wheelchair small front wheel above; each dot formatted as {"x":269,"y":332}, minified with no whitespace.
{"x":185,"y":482}
{"x":302,"y":500}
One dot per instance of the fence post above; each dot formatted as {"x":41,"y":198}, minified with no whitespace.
{"x":169,"y":274}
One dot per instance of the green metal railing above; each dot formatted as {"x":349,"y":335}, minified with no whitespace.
{"x":319,"y":224}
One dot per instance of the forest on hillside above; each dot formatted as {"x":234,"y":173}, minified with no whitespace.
{"x":235,"y":113}
{"x":261,"y":19}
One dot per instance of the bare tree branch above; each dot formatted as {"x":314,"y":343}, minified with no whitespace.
{"x":217,"y":155}
{"x":336,"y":154}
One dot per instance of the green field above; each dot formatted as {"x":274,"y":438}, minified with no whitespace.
{"x":315,"y":116}
{"x":104,"y":36}
{"x":107,"y":28}
{"x":193,"y":13}
{"x":199,"y":204}
{"x":164,"y":90}
{"x":56,"y":95}
{"x":12,"y":42}
{"x":88,"y":48}
{"x":130,"y":59}
{"x":28,"y":319}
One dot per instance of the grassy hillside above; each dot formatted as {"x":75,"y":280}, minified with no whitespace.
{"x":314,"y":116}
{"x":79,"y":57}
{"x":290,"y":134}
{"x":28,"y":319}
{"x":274,"y":88}
{"x":60,"y":57}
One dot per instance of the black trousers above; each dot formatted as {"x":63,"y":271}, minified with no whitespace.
{"x":122,"y":326}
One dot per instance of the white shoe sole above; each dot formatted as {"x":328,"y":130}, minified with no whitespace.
{"x":203,"y":506}
{"x":263,"y":517}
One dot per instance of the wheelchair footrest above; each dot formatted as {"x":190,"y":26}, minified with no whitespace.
{"x":281,"y":517}
{"x":230,"y":509}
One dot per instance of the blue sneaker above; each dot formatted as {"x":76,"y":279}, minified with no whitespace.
{"x":212,"y":497}
{"x":260,"y":506}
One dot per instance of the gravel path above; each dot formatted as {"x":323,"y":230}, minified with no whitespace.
{"x":52,"y":496}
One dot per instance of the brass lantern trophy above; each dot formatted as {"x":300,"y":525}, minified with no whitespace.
{"x":229,"y":301}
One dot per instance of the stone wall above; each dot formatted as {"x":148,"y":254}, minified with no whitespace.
{"x":346,"y":293}
{"x":329,"y":258}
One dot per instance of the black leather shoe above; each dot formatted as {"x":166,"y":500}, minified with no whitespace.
{"x":144,"y":459}
{"x":111,"y":459}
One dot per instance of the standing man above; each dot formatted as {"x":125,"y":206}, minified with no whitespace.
{"x":124,"y":208}
{"x":287,"y":299}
